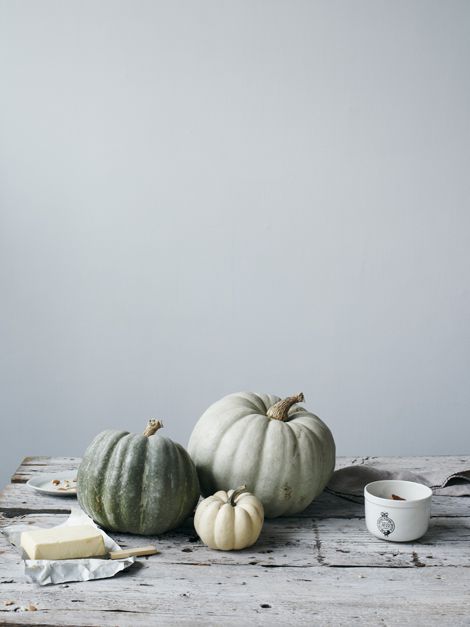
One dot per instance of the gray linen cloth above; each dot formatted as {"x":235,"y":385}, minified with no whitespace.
{"x":453,"y":480}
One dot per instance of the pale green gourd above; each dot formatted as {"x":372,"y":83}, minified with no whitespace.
{"x":283,"y":453}
{"x":143,"y":484}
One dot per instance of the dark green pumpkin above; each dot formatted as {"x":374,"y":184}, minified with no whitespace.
{"x":143,"y":484}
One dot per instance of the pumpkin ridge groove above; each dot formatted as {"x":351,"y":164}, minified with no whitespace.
{"x":218,"y":441}
{"x":219,"y":451}
{"x":113,"y":480}
{"x":185,"y":478}
{"x":259,"y":465}
{"x":250,"y":403}
{"x":276,"y":440}
{"x":144,"y":477}
{"x":288,"y":434}
{"x":171,"y":480}
{"x":259,"y":406}
{"x":212,"y":441}
{"x":314,"y":434}
{"x":247,"y":438}
{"x":87,"y":489}
{"x":309,"y":436}
{"x":100,"y":477}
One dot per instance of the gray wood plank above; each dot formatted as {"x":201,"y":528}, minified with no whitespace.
{"x":17,"y":499}
{"x":330,"y":542}
{"x":33,"y":465}
{"x":181,"y":594}
{"x":301,"y":542}
{"x":320,"y":568}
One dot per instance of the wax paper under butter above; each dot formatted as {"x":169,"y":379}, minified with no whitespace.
{"x":46,"y":572}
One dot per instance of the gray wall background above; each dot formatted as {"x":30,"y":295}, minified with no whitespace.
{"x":203,"y":197}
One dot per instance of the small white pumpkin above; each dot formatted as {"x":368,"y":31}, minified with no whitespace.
{"x":229,"y":520}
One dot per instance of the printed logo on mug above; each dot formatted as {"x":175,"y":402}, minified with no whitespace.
{"x":385,"y":524}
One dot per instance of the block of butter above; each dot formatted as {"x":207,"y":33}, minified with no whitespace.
{"x":62,"y":543}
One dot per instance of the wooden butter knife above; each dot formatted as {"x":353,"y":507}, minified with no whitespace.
{"x":137,"y":552}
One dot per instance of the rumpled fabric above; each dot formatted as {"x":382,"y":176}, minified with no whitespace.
{"x":351,"y":480}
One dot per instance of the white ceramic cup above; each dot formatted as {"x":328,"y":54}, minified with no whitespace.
{"x":397,"y":521}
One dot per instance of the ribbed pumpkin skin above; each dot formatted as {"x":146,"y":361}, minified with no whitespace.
{"x":228,"y":526}
{"x":285,"y":464}
{"x":137,"y":484}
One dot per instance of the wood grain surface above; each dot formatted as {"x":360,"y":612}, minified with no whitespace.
{"x":319,"y":568}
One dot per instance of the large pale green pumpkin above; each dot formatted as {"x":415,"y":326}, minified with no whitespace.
{"x":143,"y":484}
{"x":284,"y":454}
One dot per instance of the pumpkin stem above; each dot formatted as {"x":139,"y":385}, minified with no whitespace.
{"x":235,"y":494}
{"x":280,"y":410}
{"x":152,"y":427}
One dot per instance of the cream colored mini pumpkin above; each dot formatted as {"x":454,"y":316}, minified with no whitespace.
{"x":229,"y":520}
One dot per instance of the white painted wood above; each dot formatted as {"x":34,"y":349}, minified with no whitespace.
{"x":18,"y":498}
{"x":245,"y":595}
{"x":301,"y":542}
{"x":320,"y":568}
{"x":33,"y":465}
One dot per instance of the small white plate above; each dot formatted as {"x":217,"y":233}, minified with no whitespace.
{"x":43,"y":483}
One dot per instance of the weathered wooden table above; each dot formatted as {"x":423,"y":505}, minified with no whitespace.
{"x":320,"y":568}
